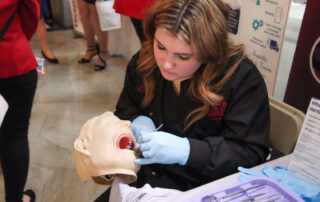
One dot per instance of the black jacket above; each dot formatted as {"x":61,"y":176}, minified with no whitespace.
{"x":233,"y":134}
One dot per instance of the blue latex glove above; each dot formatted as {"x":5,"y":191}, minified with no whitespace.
{"x":142,"y":123}
{"x":306,"y":191}
{"x":162,"y":147}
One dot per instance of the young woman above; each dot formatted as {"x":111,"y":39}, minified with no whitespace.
{"x":210,"y":98}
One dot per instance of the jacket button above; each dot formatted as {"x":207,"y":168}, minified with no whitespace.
{"x":151,"y":114}
{"x":154,"y":173}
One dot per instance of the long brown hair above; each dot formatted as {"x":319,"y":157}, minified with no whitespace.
{"x":203,"y":24}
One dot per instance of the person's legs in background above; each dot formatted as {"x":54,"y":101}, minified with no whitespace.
{"x":138,"y":26}
{"x":102,"y":38}
{"x":19,"y":92}
{"x":88,"y":31}
{"x":41,"y":33}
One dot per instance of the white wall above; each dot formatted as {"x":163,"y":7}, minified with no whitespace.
{"x":289,"y":45}
{"x":124,"y":41}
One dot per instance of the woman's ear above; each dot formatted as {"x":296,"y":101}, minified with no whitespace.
{"x":81,"y":144}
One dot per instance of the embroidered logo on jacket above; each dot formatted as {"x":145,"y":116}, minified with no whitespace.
{"x":141,"y":88}
{"x":217,"y":112}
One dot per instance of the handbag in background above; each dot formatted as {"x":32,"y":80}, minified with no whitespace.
{"x":109,"y":19}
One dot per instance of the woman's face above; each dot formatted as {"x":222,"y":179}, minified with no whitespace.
{"x":174,"y":56}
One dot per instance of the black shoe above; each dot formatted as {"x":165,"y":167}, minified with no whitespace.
{"x":52,"y":60}
{"x":90,"y":48}
{"x":31,"y":194}
{"x":100,"y":67}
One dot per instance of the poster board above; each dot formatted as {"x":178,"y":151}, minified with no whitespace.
{"x":260,"y":26}
{"x":76,"y":19}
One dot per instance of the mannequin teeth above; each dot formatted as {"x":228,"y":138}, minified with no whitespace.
{"x":129,"y":145}
{"x":126,"y":141}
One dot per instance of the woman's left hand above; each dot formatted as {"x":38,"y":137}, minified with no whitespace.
{"x":142,"y":123}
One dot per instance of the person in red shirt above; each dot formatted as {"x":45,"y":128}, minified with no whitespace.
{"x":18,"y":82}
{"x":135,"y":10}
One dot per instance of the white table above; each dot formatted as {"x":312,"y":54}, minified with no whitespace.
{"x":123,"y":192}
{"x":229,"y":180}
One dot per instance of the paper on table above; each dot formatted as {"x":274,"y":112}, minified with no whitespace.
{"x":305,"y":161}
{"x":3,"y":108}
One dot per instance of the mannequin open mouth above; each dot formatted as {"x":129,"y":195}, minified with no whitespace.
{"x":126,"y":141}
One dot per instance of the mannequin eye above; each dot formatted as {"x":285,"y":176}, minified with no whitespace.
{"x":126,"y":141}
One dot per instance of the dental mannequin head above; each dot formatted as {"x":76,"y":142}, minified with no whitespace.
{"x":105,"y":148}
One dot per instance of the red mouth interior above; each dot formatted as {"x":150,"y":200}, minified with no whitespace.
{"x":126,"y":141}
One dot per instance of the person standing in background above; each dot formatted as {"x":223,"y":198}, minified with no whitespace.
{"x":135,"y":10}
{"x":41,"y":33}
{"x":18,"y":82}
{"x":91,"y":26}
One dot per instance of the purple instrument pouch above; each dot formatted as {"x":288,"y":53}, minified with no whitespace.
{"x":258,"y":189}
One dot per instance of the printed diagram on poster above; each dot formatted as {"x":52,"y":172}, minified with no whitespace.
{"x":260,"y":26}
